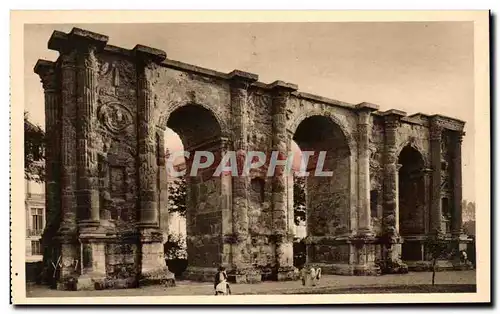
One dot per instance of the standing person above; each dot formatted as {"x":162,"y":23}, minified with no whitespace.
{"x":310,"y":276}
{"x":315,"y":275}
{"x":221,"y":286}
{"x":304,"y":275}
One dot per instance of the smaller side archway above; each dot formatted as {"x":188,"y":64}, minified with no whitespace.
{"x":413,"y":143}
{"x":412,"y":204}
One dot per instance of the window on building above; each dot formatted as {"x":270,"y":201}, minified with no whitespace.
{"x":37,"y":219}
{"x":36,"y":248}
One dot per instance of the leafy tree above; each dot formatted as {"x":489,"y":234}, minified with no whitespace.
{"x":175,"y":247}
{"x":299,"y":199}
{"x":34,"y":149}
{"x":437,"y":248}
{"x":468,"y":211}
{"x":177,"y":197}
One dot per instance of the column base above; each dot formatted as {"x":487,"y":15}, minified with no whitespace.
{"x":245,"y":275}
{"x":366,"y":270}
{"x":363,"y":248}
{"x":393,"y":267}
{"x":393,"y":264}
{"x":196,"y":273}
{"x":95,"y":282}
{"x":366,"y":233}
{"x":91,"y":281}
{"x":161,"y":276}
{"x":207,"y":274}
{"x":460,"y":241}
{"x":68,"y":283}
{"x":153,"y":268}
{"x":287,"y":273}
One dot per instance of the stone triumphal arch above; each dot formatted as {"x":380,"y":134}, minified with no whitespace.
{"x":397,"y":178}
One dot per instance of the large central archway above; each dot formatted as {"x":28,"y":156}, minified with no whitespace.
{"x":327,"y":197}
{"x":199,"y":130}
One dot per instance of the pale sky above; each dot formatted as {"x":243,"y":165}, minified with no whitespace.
{"x":411,"y":66}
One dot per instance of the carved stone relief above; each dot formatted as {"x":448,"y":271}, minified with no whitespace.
{"x":114,"y":116}
{"x":118,"y":179}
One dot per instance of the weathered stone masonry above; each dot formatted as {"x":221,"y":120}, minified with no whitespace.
{"x":106,"y":112}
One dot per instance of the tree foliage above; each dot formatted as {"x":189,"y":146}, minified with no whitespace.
{"x":299,"y":199}
{"x":175,"y":247}
{"x":468,"y":211}
{"x":34,"y":151}
{"x":177,"y":197}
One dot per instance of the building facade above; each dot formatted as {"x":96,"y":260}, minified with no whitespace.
{"x":396,"y":178}
{"x":35,"y":220}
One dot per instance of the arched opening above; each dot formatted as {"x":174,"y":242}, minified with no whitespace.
{"x":411,"y":202}
{"x":173,"y":212}
{"x":299,"y":210}
{"x":327,"y":186}
{"x":198,"y":130}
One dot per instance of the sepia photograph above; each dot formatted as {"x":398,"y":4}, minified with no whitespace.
{"x":263,"y":159}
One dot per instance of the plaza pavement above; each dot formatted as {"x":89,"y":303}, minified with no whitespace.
{"x":327,"y":282}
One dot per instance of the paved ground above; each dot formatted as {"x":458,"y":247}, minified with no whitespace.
{"x":452,"y":281}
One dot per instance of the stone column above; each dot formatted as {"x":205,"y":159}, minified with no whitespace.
{"x":79,"y":69}
{"x":456,"y":224}
{"x":162,"y":182}
{"x":292,"y":229}
{"x":148,"y":167}
{"x":280,"y":143}
{"x":427,"y":192}
{"x":153,"y":268}
{"x":459,"y":237}
{"x":363,"y":242}
{"x":364,"y":131}
{"x":392,"y":239}
{"x":436,"y":211}
{"x":88,"y":193}
{"x":226,"y":204}
{"x":51,"y":86}
{"x":67,"y":233}
{"x":396,"y":216}
{"x":240,"y":82}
